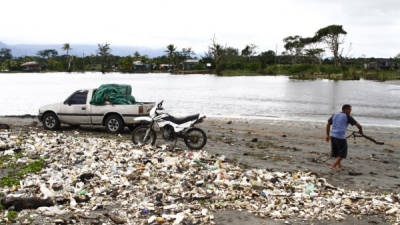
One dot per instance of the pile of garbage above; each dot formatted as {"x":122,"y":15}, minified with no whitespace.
{"x":108,"y":180}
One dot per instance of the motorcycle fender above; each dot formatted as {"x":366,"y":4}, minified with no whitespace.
{"x":181,"y":127}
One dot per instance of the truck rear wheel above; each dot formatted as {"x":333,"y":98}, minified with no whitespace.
{"x":51,"y":121}
{"x":114,"y":124}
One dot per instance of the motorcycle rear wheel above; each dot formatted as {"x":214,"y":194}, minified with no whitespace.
{"x":139,"y":134}
{"x":195,"y":138}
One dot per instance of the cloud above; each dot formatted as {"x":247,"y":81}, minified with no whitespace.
{"x":189,"y":23}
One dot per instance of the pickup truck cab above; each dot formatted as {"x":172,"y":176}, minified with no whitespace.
{"x":77,"y":110}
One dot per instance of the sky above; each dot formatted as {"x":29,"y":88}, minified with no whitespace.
{"x":373,"y":26}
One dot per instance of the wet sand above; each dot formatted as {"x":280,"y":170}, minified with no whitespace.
{"x":292,"y":146}
{"x":288,"y":146}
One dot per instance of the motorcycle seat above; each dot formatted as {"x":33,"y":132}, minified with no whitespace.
{"x":182,"y":120}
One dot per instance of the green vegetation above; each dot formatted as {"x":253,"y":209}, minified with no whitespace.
{"x":311,"y":72}
{"x":12,"y":215}
{"x":303,"y":58}
{"x":16,"y":171}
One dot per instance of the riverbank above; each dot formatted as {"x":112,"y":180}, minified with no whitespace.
{"x":284,"y":146}
{"x":312,"y":72}
{"x":288,"y":146}
{"x":296,"y":71}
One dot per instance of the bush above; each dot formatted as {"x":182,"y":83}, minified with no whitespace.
{"x":330,"y":69}
{"x":302,"y":68}
{"x":271,"y":70}
{"x":199,"y":66}
{"x":350,"y":74}
{"x":253,"y":66}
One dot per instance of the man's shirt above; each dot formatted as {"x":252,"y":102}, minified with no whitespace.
{"x":339,"y":122}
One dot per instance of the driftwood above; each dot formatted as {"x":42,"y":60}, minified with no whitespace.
{"x":4,"y":126}
{"x":115,"y":219}
{"x":25,"y":203}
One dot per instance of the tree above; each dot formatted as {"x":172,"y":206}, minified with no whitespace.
{"x":47,"y":53}
{"x":217,"y":51}
{"x":9,"y":64}
{"x":249,"y":50}
{"x":5,"y":53}
{"x":126,"y":64}
{"x":104,"y":52}
{"x":315,"y":54}
{"x":231,"y":52}
{"x":330,"y":35}
{"x":267,"y":57}
{"x":187,"y":53}
{"x":66,"y":47}
{"x":171,"y":52}
{"x":294,"y":45}
{"x":136,"y":55}
{"x":144,"y":58}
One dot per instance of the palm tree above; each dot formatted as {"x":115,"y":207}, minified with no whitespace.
{"x":67,"y":48}
{"x":136,"y":55}
{"x":171,"y":51}
{"x":104,"y":51}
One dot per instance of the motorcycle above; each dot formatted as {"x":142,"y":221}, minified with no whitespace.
{"x":171,"y":128}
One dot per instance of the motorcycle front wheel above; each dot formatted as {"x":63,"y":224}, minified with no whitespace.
{"x":144,"y":135}
{"x":195,"y":138}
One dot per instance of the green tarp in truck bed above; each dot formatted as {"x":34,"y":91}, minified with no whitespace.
{"x":118,"y":94}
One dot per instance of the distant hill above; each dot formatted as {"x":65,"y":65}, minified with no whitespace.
{"x":79,"y":49}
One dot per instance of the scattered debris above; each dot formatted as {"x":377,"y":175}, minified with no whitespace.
{"x":353,"y":173}
{"x":84,"y":177}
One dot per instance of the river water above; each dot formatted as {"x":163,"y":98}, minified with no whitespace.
{"x":272,"y":97}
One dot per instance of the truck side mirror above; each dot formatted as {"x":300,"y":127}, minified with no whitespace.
{"x":66,"y":102}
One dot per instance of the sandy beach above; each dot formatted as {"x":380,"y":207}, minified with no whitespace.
{"x":287,"y":146}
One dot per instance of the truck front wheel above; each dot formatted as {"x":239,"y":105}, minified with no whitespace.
{"x":114,"y":124}
{"x":51,"y":121}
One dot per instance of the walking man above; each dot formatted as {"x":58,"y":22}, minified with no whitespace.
{"x":337,"y":134}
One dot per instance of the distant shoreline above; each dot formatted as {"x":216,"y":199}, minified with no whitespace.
{"x":311,"y":74}
{"x":226,"y":118}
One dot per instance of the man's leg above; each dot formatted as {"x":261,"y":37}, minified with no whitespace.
{"x":340,"y":167}
{"x":336,"y":163}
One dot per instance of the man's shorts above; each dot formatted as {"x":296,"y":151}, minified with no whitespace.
{"x":339,"y":147}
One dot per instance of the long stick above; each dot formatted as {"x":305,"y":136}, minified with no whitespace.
{"x":357,"y":134}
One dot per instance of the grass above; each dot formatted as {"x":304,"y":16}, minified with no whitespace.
{"x":12,"y":215}
{"x":232,"y":73}
{"x":312,"y":71}
{"x":17,"y":171}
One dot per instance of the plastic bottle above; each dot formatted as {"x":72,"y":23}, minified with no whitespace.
{"x":310,"y":188}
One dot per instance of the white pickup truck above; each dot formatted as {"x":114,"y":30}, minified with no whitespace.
{"x":77,"y":110}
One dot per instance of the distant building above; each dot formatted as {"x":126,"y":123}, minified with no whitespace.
{"x":165,"y":67}
{"x":30,"y":66}
{"x":382,"y":64}
{"x":139,"y":66}
{"x":189,"y":64}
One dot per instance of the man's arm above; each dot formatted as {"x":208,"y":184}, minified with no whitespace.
{"x":328,"y":130}
{"x":359,"y":128}
{"x":353,"y":122}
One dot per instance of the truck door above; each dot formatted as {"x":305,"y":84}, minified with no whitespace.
{"x":74,"y":110}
